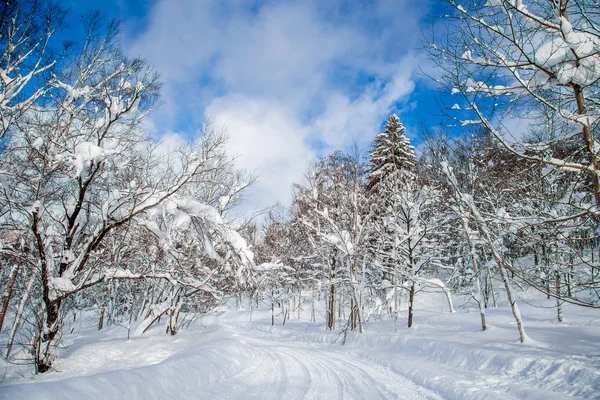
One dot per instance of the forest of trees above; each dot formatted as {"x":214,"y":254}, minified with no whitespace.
{"x":97,"y":216}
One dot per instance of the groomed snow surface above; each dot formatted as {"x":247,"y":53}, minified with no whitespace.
{"x":443,"y":356}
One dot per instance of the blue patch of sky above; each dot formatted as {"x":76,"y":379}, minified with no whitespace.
{"x":420,"y":108}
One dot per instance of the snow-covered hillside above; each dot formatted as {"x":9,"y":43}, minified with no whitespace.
{"x":238,"y":355}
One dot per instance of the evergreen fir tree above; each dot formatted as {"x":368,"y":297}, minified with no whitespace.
{"x":392,"y":158}
{"x":391,"y":167}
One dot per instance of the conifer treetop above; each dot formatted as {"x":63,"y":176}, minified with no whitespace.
{"x":391,"y":154}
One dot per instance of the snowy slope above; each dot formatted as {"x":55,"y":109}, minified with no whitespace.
{"x":444,"y":356}
{"x":221,"y":364}
{"x":447,"y":353}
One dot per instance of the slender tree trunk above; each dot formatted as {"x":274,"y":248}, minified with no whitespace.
{"x":492,"y":289}
{"x":129,"y":325}
{"x":546,"y":259}
{"x":355,"y":301}
{"x":412,"y":286}
{"x":331,"y":299}
{"x":251,"y":304}
{"x":449,"y":299}
{"x":341,"y":314}
{"x":396,"y":307}
{"x":331,"y":308}
{"x":35,"y":344}
{"x":473,"y":251}
{"x":396,"y":295}
{"x":19,"y":315}
{"x":411,"y":301}
{"x":105,"y":307}
{"x":8,"y":293}
{"x":352,"y":314}
{"x":478,"y":293}
{"x":272,"y":308}
{"x":569,"y":275}
{"x":358,"y":316}
{"x":101,"y":320}
{"x":558,"y":304}
{"x":312,"y":306}
{"x":511,"y":300}
{"x":486,"y":234}
{"x":238,"y":301}
{"x":149,"y":294}
{"x":174,"y":315}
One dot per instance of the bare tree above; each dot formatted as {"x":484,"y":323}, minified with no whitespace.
{"x":26,"y":56}
{"x":333,"y":208}
{"x":524,"y":60}
{"x":83,"y":176}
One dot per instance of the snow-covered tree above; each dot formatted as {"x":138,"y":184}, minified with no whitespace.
{"x":26,"y":56}
{"x":333,"y":207}
{"x":408,"y":224}
{"x":391,"y":158}
{"x":390,"y":168}
{"x":83,"y":180}
{"x":535,"y":61}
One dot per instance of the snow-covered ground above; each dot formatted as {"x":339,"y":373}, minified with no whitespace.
{"x":444,"y":356}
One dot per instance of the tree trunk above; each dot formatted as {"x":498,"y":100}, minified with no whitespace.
{"x":8,"y":293}
{"x":396,"y":296}
{"x":174,"y":316}
{"x":331,"y":308}
{"x":492,"y":289}
{"x":331,"y":299}
{"x":396,"y":307}
{"x":312,"y":307}
{"x":340,"y":303}
{"x":449,"y":300}
{"x":355,"y":300}
{"x":512,"y":301}
{"x":569,"y":276}
{"x":19,"y":315}
{"x":558,"y":304}
{"x":352,"y":314}
{"x":251,"y":304}
{"x":238,"y":301}
{"x":357,"y":317}
{"x":101,"y":320}
{"x":411,"y":301}
{"x":299,"y":303}
{"x":546,"y":259}
{"x":496,"y":256}
{"x":47,"y":344}
{"x":473,"y":251}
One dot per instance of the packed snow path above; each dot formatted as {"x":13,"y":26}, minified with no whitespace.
{"x":228,"y":364}
{"x":287,"y":371}
{"x":238,"y":355}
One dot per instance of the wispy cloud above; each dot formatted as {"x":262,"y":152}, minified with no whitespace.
{"x":282,"y":76}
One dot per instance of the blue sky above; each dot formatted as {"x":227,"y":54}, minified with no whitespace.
{"x":289,"y":80}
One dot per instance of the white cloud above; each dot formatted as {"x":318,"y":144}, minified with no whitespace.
{"x":345,"y":120}
{"x":281,"y":75}
{"x":268,"y":139}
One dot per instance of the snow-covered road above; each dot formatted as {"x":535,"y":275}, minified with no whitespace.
{"x":226,"y":363}
{"x":288,"y":371}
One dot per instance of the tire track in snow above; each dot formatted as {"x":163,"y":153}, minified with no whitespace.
{"x":226,"y":363}
{"x":290,"y":371}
